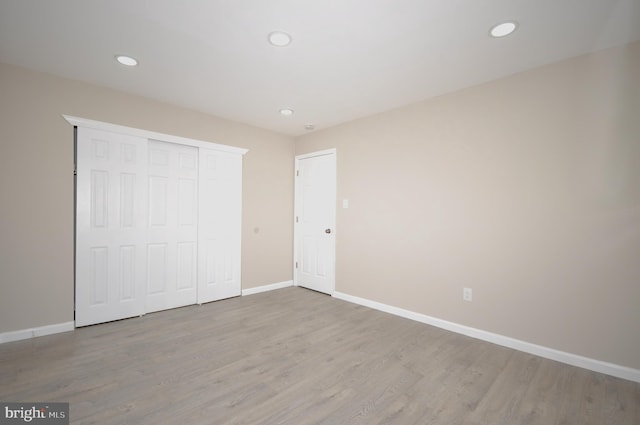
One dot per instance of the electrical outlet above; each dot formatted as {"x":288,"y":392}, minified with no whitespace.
{"x":467,"y":294}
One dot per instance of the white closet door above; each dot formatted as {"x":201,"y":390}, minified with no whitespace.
{"x":110,"y":226}
{"x":220,"y":225}
{"x":158,"y":224}
{"x":172,"y":235}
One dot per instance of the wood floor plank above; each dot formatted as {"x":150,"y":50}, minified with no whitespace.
{"x":294,"y":356}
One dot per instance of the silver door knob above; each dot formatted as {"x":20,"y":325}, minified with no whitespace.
{"x":327,"y":230}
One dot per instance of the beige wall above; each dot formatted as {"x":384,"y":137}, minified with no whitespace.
{"x":526,"y":189}
{"x":36,"y":188}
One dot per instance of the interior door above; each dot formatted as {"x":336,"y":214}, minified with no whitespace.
{"x":315,"y":221}
{"x":110,"y":226}
{"x":172,"y":234}
{"x":220,"y":225}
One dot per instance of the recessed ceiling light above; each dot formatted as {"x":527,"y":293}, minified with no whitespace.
{"x":309,"y":126}
{"x":126,"y":60}
{"x":279,"y":38}
{"x":287,"y":112}
{"x":503,"y":29}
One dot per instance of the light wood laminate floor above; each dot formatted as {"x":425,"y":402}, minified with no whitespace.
{"x":293,"y":356}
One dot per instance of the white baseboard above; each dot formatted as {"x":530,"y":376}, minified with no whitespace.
{"x":527,"y":347}
{"x":266,"y":288}
{"x":34,"y":332}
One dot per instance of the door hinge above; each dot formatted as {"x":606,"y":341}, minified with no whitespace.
{"x":297,"y":173}
{"x":296,"y":219}
{"x":296,"y":264}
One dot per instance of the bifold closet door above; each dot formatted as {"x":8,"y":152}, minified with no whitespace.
{"x":110,"y":226}
{"x":172,"y":237}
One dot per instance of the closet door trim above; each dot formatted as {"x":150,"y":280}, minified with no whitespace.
{"x":115,"y":128}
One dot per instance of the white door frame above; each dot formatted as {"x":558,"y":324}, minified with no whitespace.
{"x":297,"y":210}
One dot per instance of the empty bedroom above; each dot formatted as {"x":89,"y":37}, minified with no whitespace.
{"x":307,"y":212}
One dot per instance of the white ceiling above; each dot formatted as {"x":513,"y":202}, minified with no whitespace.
{"x":348,"y":59}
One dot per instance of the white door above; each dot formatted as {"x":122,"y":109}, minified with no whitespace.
{"x":158,"y":224}
{"x":110,"y":226}
{"x":315,"y":221}
{"x":220,"y":212}
{"x":172,"y":235}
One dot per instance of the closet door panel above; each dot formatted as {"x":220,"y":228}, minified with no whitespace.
{"x":220,"y":212}
{"x":110,"y":226}
{"x":173,"y":226}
